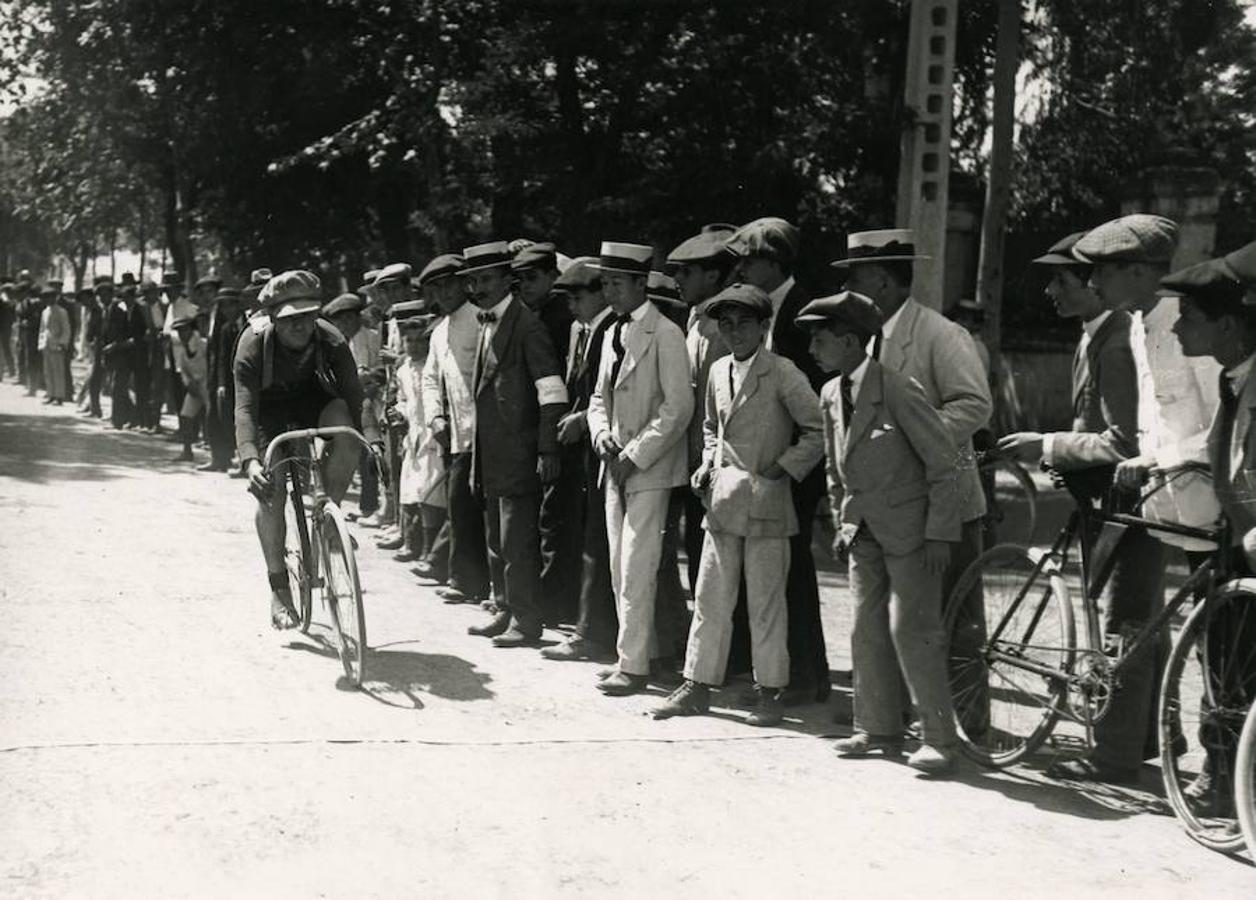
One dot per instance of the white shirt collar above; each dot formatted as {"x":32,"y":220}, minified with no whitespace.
{"x":639,"y":313}
{"x":855,"y":379}
{"x":1092,"y":325}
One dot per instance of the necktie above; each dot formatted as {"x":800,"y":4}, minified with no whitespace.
{"x":876,"y":345}
{"x":848,"y":403}
{"x":617,"y":344}
{"x":481,"y":350}
{"x":582,"y":345}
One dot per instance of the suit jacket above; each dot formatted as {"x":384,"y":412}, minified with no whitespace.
{"x":892,"y":468}
{"x":446,"y":383}
{"x":648,"y":408}
{"x":556,"y":316}
{"x":54,"y":328}
{"x":1105,"y":410}
{"x":117,"y":333}
{"x":774,"y":418}
{"x":1234,"y":473}
{"x":705,"y":346}
{"x":792,"y":341}
{"x":942,"y":358}
{"x":512,"y":426}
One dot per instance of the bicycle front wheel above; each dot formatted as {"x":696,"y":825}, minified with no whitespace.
{"x":342,"y":592}
{"x":1204,"y":698}
{"x":1009,"y":670}
{"x":298,"y":551}
{"x":1245,"y":782}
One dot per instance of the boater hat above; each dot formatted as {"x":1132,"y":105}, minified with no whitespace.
{"x":292,"y":293}
{"x":630,"y":259}
{"x":485,"y":256}
{"x":882,"y":245}
{"x":443,"y":266}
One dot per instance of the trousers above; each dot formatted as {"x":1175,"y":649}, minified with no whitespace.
{"x":54,"y":373}
{"x":514,"y":556}
{"x":634,"y":533}
{"x":468,"y":557}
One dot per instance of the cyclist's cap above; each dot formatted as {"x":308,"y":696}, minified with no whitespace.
{"x":395,"y":272}
{"x":485,"y":256}
{"x":292,"y":293}
{"x":1213,"y":281}
{"x":740,"y":296}
{"x":1137,"y":238}
{"x":443,"y":266}
{"x":848,"y":308}
{"x":582,"y":273}
{"x":343,"y":303}
{"x":536,"y":256}
{"x":1061,"y":252}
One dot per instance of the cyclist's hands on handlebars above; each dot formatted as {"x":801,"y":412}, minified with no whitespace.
{"x":1131,"y":474}
{"x":259,"y":480}
{"x":1024,"y":446}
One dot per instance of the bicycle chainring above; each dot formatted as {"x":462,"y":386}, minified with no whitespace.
{"x":1090,"y":689}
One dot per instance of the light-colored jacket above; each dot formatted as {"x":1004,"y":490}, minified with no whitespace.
{"x":648,"y":409}
{"x":54,"y":328}
{"x":892,"y":468}
{"x":1232,"y":456}
{"x":746,"y":434}
{"x":446,"y":379}
{"x":942,"y":358}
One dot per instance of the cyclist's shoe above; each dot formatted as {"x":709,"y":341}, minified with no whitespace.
{"x":933,"y":760}
{"x":499,"y":624}
{"x":690,"y":699}
{"x":863,"y":744}
{"x":1087,"y":768}
{"x":283,"y":615}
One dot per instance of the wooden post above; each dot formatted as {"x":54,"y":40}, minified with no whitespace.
{"x":998,"y":184}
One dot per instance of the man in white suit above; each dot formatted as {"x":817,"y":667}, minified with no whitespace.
{"x":637,"y":419}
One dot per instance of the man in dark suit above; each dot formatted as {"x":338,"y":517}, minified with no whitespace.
{"x":141,"y":375}
{"x":768,"y":249}
{"x":1105,"y":432}
{"x":597,"y":625}
{"x":116,"y":344}
{"x":220,"y":358}
{"x":519,"y":398}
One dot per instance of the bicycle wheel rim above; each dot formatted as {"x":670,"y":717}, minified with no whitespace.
{"x":342,"y":592}
{"x":1204,"y":699}
{"x":1245,"y":782}
{"x":298,"y":552}
{"x":1020,"y":706}
{"x":1013,"y":487}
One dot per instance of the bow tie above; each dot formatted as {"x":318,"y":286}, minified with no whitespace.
{"x":487,"y":317}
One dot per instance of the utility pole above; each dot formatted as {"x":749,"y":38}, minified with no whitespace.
{"x":925,"y":161}
{"x":998,"y":182}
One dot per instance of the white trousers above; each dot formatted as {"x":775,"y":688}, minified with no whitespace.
{"x":634,"y":530}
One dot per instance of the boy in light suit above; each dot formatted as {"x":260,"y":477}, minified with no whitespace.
{"x":892,"y":476}
{"x":755,"y":403}
{"x":637,"y":418}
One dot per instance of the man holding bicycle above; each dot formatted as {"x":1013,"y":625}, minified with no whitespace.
{"x":294,"y":372}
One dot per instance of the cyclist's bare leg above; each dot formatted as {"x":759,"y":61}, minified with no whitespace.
{"x":271,"y":532}
{"x":342,"y":459}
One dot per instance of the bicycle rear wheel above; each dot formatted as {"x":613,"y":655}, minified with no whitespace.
{"x":298,"y":551}
{"x":1027,"y":637}
{"x":1206,"y":693}
{"x":343,"y":593}
{"x":1245,"y":782}
{"x":1013,"y":501}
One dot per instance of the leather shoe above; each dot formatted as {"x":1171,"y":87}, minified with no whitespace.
{"x":864,"y":744}
{"x":495,"y":626}
{"x":932,"y":760}
{"x":1088,"y":768}
{"x":576,"y":648}
{"x":1210,"y":796}
{"x":621,"y":684}
{"x":405,"y":555}
{"x":770,"y":709}
{"x":513,"y":637}
{"x":690,"y":699}
{"x":393,"y":543}
{"x":425,"y":569}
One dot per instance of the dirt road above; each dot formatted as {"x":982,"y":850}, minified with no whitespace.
{"x":159,"y":740}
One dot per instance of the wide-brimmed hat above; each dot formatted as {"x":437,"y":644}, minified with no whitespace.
{"x":292,"y":293}
{"x":630,"y":259}
{"x":881,"y":245}
{"x":485,"y":256}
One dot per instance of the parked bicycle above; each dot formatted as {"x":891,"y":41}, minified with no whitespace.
{"x":1039,"y":675}
{"x":1011,"y":498}
{"x":318,"y":547}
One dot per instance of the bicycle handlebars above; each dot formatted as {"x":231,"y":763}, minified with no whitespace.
{"x":301,"y":434}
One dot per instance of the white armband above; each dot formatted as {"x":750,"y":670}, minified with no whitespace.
{"x":550,"y":389}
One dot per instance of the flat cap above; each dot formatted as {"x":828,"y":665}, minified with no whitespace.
{"x":1061,"y":252}
{"x":292,"y":293}
{"x":343,"y":303}
{"x":703,"y":247}
{"x":740,"y":296}
{"x":768,"y":237}
{"x":1212,"y":280}
{"x":542,"y":256}
{"x":1242,"y":263}
{"x":395,"y":272}
{"x":848,"y":308}
{"x":582,"y":273}
{"x":441,"y":267}
{"x":1135,"y":238}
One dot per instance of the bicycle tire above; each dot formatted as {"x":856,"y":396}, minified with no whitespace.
{"x":342,"y":593}
{"x":1197,"y":709}
{"x":1245,"y":782}
{"x":1021,"y":715}
{"x":1023,"y":492}
{"x":298,"y":551}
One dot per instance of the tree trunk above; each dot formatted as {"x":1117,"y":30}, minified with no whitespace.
{"x":998,"y":184}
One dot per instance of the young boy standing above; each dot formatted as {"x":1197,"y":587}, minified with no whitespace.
{"x":756,"y":402}
{"x":892,"y":476}
{"x":190,"y":360}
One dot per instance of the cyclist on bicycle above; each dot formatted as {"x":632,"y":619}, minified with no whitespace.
{"x":296,"y":371}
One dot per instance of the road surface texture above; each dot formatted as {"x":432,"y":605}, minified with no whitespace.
{"x":160,"y":740}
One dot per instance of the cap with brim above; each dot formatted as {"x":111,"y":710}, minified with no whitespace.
{"x":343,"y":303}
{"x":543,"y":256}
{"x":1242,"y":263}
{"x":1136,"y":238}
{"x":583,"y":273}
{"x":485,"y":256}
{"x":443,"y":266}
{"x":879,"y":246}
{"x":739,"y":296}
{"x":769,"y":237}
{"x":628,"y":259}
{"x":395,"y":273}
{"x":1061,"y":252}
{"x":293,"y":293}
{"x":704,"y":247}
{"x":1213,"y":280}
{"x":848,"y":308}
